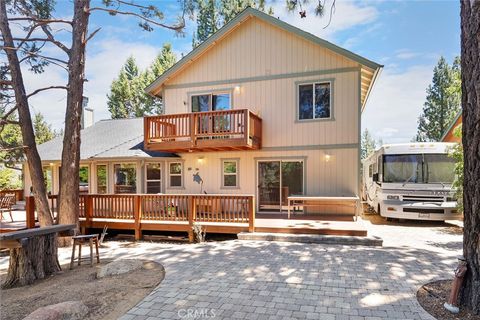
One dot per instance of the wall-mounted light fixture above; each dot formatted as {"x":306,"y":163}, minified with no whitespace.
{"x":200,"y":159}
{"x":237,"y":89}
{"x":327,"y":157}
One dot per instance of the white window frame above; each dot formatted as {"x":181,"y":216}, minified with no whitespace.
{"x":211,"y":94}
{"x":89,"y":175}
{"x":175,"y":175}
{"x":236,"y":174}
{"x":115,"y":175}
{"x":153,"y":180}
{"x":313,"y":83}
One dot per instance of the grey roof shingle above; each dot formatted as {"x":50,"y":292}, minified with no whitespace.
{"x":116,"y":138}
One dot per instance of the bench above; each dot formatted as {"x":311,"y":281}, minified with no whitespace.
{"x":305,"y":201}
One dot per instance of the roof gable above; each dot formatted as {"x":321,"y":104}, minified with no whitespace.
{"x":371,"y":67}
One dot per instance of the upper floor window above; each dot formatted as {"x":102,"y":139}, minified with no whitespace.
{"x":314,"y":101}
{"x":211,"y":102}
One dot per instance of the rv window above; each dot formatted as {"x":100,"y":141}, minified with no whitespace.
{"x":370,"y":170}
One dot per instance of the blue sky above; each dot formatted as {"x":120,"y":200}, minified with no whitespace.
{"x":408,"y":37}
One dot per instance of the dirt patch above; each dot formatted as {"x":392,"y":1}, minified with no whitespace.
{"x":106,"y":298}
{"x":433,"y":295}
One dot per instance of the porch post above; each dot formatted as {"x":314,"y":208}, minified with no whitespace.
{"x":192,"y":208}
{"x":251,"y":214}
{"x":30,"y":211}
{"x":137,"y":212}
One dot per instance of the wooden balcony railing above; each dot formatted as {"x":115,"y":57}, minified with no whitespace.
{"x":163,"y":212}
{"x":203,"y":131}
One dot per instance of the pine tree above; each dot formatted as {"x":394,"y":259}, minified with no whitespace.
{"x":43,"y":130}
{"x":207,"y":21}
{"x":127,"y":98}
{"x":442,"y":104}
{"x":368,"y":144}
{"x":213,"y":14}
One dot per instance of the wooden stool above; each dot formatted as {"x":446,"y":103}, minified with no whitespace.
{"x":82,"y":239}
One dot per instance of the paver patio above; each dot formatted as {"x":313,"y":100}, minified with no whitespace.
{"x":274,"y":280}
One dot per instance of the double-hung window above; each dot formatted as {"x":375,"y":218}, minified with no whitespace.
{"x":230,"y":173}
{"x":175,"y":172}
{"x":314,"y":101}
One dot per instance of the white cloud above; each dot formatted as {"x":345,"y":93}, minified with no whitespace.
{"x":103,"y":64}
{"x":396,"y":102}
{"x":346,"y":15}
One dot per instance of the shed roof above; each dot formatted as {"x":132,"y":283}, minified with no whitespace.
{"x":115,"y":138}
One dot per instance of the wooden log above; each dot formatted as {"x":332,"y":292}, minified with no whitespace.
{"x":36,"y":259}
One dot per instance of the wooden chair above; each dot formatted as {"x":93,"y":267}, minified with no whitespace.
{"x":6,"y":203}
{"x":79,"y":241}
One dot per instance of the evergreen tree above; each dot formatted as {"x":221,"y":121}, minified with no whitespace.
{"x":207,"y":21}
{"x":43,"y":130}
{"x":443,"y":102}
{"x":213,"y":14}
{"x":127,"y":98}
{"x":368,"y":144}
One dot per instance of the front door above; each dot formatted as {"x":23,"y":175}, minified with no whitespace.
{"x":277,"y":180}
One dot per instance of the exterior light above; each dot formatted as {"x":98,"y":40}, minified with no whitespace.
{"x":327,"y":157}
{"x":237,"y":89}
{"x":51,"y":164}
{"x":200,"y":159}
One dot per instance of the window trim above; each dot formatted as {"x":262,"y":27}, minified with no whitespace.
{"x":228,"y":91}
{"x":237,"y":174}
{"x":146,"y":180}
{"x":115,"y":175}
{"x":106,"y":176}
{"x":89,"y":176}
{"x":330,"y":81}
{"x":182,"y":186}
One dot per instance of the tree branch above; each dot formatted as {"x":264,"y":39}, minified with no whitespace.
{"x":52,"y":39}
{"x":40,"y":20}
{"x":92,"y":35}
{"x":178,"y":27}
{"x":44,"y":89}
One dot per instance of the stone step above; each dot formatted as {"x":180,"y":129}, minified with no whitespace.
{"x":312,"y":238}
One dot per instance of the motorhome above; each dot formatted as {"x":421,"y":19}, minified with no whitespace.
{"x":411,"y":181}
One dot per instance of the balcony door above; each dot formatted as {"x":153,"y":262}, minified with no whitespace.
{"x":277,"y":180}
{"x":212,"y":102}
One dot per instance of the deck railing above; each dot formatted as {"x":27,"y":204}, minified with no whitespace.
{"x":199,"y":131}
{"x":136,"y":211}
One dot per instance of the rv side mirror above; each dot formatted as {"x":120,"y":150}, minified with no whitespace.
{"x":375,"y":177}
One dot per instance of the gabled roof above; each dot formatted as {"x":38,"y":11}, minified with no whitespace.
{"x":244,"y":16}
{"x":452,"y":125}
{"x":116,"y":138}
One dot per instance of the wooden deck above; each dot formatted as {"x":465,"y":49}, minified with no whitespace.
{"x":225,"y":130}
{"x":178,"y":213}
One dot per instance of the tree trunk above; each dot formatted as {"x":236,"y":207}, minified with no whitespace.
{"x":69,"y":188}
{"x":36,"y":260}
{"x":28,"y":136}
{"x":470,"y":40}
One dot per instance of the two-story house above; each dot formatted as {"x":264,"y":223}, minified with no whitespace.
{"x":261,"y":108}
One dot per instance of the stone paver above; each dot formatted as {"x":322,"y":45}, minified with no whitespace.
{"x":276,"y":280}
{"x":279,"y":280}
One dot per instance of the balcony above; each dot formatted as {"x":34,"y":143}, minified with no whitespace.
{"x":226,"y":130}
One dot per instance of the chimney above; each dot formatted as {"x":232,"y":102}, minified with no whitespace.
{"x":87,"y":114}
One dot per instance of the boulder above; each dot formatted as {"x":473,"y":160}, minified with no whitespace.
{"x":68,"y":310}
{"x":117,"y":267}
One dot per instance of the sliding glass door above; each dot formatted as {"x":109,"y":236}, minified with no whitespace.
{"x":278,"y":179}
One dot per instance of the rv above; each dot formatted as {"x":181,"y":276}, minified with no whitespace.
{"x":411,"y":181}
